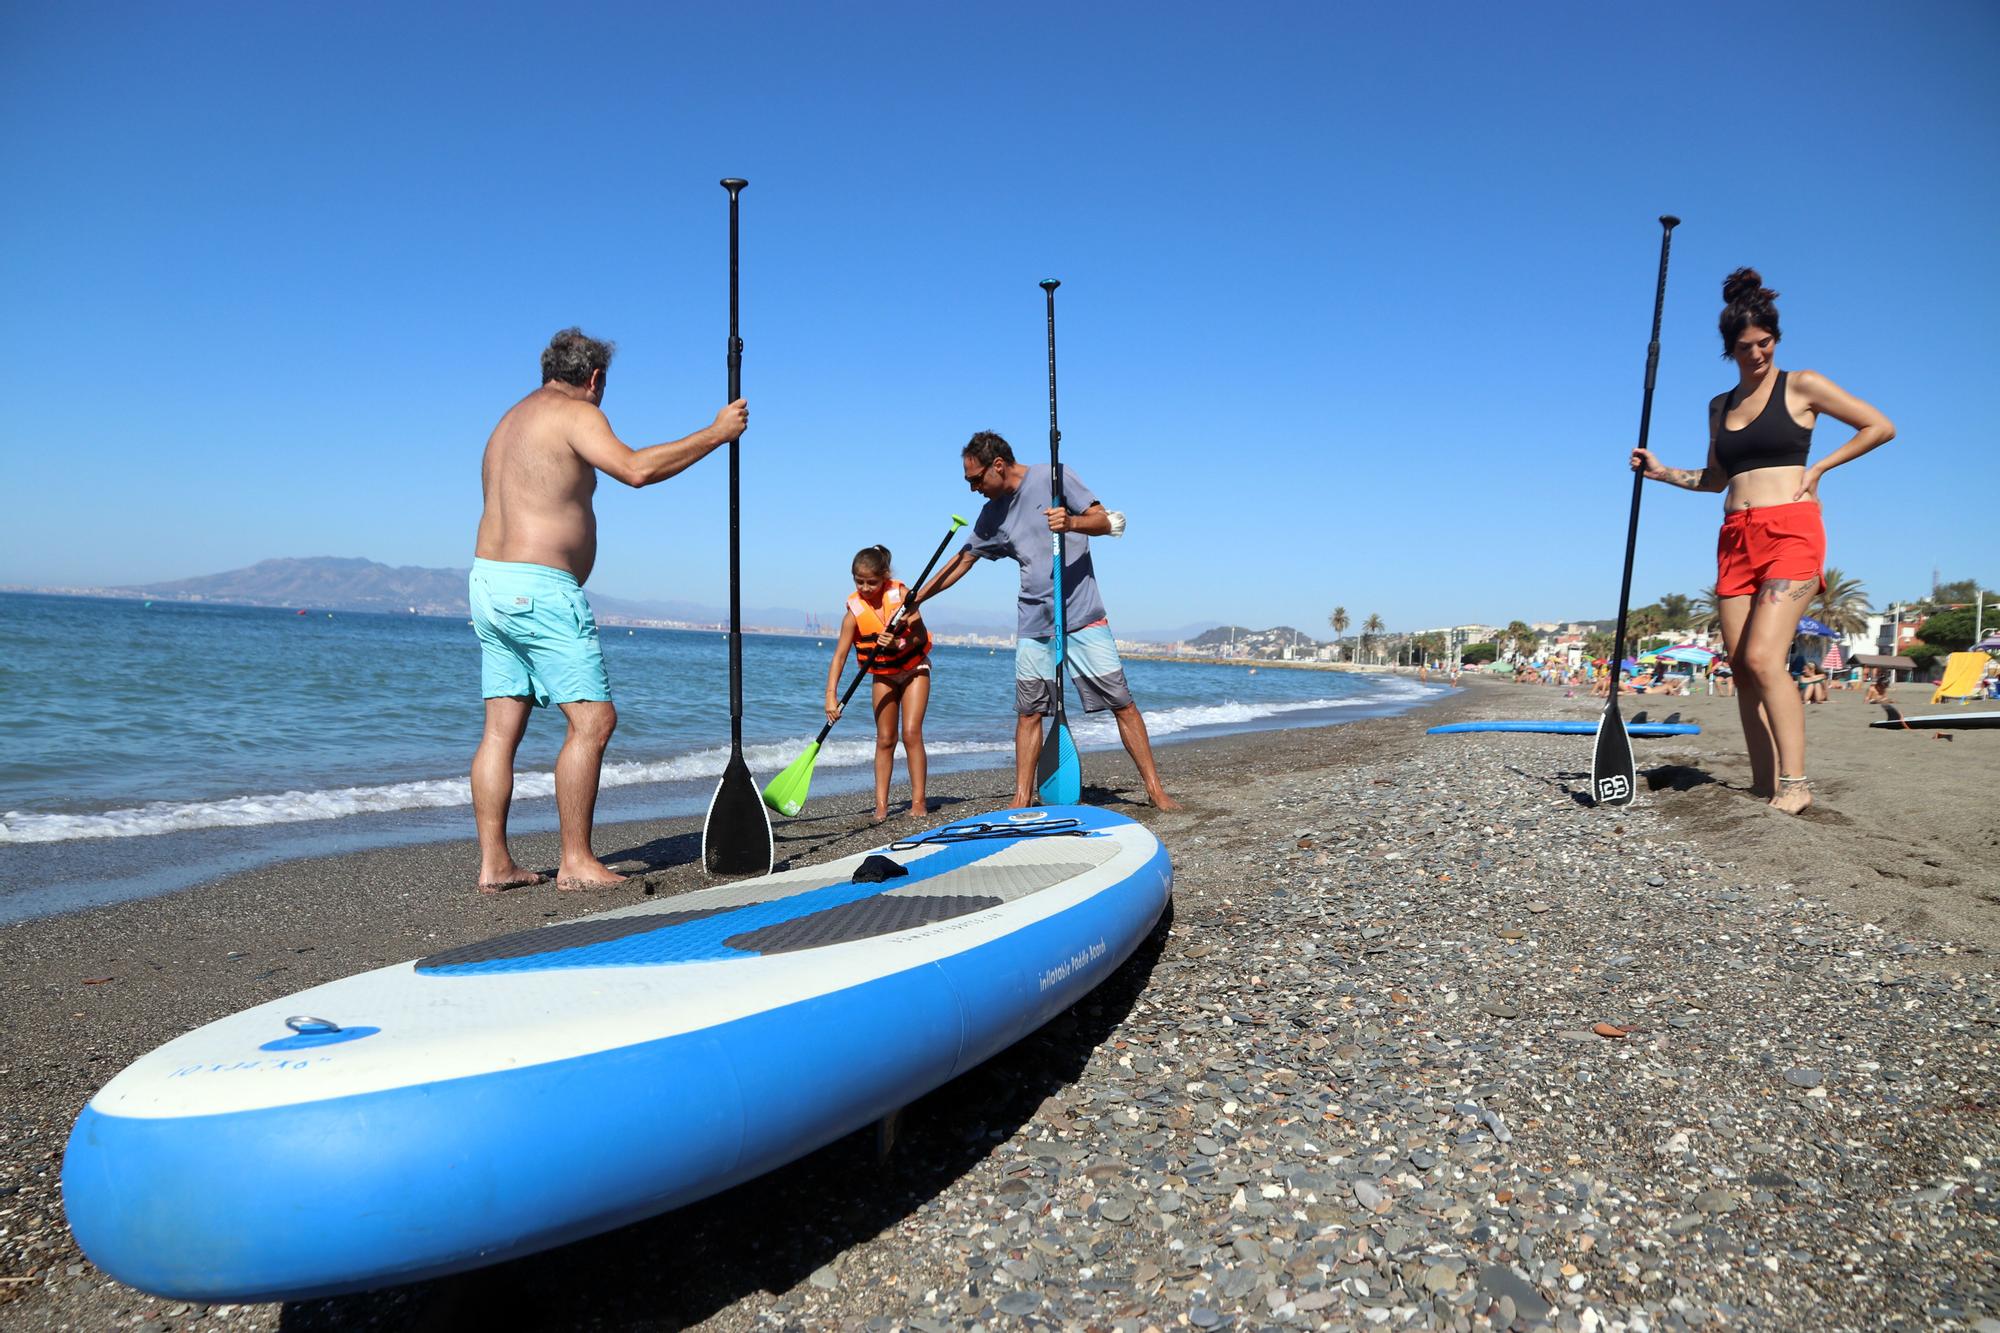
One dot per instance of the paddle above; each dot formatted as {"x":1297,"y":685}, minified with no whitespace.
{"x":1613,"y":777}
{"x":787,"y":792}
{"x":1058,"y":772}
{"x":736,"y":840}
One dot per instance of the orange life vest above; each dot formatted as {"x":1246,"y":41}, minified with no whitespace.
{"x":905,"y":650}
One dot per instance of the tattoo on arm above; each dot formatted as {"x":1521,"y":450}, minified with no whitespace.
{"x":1680,"y":476}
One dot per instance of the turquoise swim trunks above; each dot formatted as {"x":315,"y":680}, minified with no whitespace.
{"x":537,"y":636}
{"x":1091,"y":660}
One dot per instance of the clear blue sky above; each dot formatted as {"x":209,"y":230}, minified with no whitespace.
{"x":1354,"y":310}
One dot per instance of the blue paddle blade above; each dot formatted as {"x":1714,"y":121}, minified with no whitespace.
{"x":1059,"y":769}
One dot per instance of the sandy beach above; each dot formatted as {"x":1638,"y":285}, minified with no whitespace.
{"x":1426,"y":1042}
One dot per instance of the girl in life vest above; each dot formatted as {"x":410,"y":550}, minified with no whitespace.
{"x":892,"y":645}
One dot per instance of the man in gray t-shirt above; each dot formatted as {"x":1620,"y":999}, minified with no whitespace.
{"x":1016,"y":524}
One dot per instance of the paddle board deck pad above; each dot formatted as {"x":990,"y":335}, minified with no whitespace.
{"x":502,"y":1098}
{"x":1567,"y":728}
{"x":1942,"y":722}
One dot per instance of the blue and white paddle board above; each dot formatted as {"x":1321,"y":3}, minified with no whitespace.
{"x":1569,"y":728}
{"x":502,"y":1098}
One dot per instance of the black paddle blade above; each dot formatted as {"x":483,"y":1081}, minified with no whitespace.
{"x":1613,"y":779}
{"x":737,"y":839}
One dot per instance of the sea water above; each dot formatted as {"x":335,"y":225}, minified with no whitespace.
{"x":148,"y":746}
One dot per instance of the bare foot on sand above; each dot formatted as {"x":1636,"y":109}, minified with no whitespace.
{"x":1794,"y":795}
{"x":512,"y":878}
{"x":589,"y":876}
{"x":920,"y":810}
{"x":1022,"y":801}
{"x":1161,"y":801}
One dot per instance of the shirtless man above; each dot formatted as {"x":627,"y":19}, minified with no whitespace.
{"x":538,"y":639}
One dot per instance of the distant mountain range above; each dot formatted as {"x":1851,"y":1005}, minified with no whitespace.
{"x":350,"y":583}
{"x":1255,"y":641}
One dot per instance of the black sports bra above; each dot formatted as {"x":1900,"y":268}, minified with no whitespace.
{"x":1773,"y":439}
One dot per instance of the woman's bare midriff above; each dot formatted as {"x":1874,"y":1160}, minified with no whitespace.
{"x":1762,"y":487}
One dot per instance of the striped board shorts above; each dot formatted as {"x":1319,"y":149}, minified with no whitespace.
{"x":1090,"y":659}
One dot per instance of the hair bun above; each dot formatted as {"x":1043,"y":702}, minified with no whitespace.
{"x":1746,"y":287}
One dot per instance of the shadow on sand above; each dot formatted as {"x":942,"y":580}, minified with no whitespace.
{"x":771,"y":1233}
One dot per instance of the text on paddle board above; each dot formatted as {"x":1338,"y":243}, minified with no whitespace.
{"x":244,"y":1066}
{"x":1075,"y":963}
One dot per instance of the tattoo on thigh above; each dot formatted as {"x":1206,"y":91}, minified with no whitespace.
{"x":1773,"y":591}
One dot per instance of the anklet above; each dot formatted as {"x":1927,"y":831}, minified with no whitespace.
{"x":1800,"y":781}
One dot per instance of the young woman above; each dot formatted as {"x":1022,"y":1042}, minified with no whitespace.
{"x":1772,"y":549}
{"x":896,"y":653}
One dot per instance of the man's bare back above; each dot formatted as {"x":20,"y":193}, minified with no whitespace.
{"x":538,"y":488}
{"x":538,"y":640}
{"x":541,"y":466}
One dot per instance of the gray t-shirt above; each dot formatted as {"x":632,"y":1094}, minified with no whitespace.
{"x":1016,"y":527}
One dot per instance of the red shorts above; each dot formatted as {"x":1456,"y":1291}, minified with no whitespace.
{"x":1774,"y":542}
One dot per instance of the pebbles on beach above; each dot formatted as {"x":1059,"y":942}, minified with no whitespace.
{"x":1427,"y":1044}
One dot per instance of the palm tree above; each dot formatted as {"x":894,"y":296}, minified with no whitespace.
{"x":1706,"y":612}
{"x":1339,"y":622}
{"x":1599,"y":645}
{"x":1371,"y":628}
{"x":1644,"y":624}
{"x":1675,"y":609}
{"x":1522,"y":638}
{"x":1843,"y":606}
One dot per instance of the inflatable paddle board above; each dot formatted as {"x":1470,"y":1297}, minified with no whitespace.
{"x":1942,"y":722}
{"x":1567,"y":728}
{"x":509,"y":1096}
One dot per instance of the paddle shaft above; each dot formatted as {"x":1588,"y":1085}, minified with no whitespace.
{"x":735,"y":188}
{"x":1049,"y":286}
{"x":1667,"y":224}
{"x":902,"y":612}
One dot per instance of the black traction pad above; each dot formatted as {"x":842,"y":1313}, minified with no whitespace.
{"x":884,"y":914}
{"x":568,"y":935}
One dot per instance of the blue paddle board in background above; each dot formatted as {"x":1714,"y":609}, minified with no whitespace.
{"x":1566,"y":728}
{"x":506,"y":1097}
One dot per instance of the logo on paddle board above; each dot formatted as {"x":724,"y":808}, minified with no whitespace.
{"x":1027,"y":816}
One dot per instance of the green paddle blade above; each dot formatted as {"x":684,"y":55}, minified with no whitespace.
{"x":786,"y":793}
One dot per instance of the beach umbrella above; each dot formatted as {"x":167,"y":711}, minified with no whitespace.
{"x":1832,"y":661}
{"x":1991,"y":643}
{"x":1807,"y":625}
{"x":1689,"y":654}
{"x":1628,"y":665}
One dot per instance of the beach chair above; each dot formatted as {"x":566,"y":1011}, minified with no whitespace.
{"x":1962,"y":672}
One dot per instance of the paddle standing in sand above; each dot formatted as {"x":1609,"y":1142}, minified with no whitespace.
{"x":1771,"y":553}
{"x":537,"y":637}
